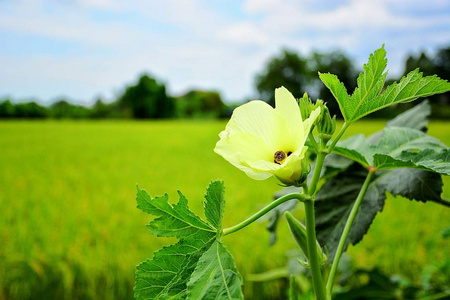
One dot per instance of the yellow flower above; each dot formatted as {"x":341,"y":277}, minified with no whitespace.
{"x":264,"y":142}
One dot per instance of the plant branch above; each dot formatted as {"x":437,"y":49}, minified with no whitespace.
{"x":319,"y":287}
{"x":346,"y":231}
{"x":316,"y":175}
{"x":338,"y":137}
{"x":265,"y":210}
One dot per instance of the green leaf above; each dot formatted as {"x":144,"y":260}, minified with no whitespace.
{"x":416,"y":118}
{"x":166,"y":276}
{"x":215,"y":276}
{"x":335,"y":199}
{"x":337,"y":89}
{"x":370,"y":84}
{"x":368,"y":97}
{"x":398,"y":147}
{"x":215,"y":204}
{"x":355,"y":148}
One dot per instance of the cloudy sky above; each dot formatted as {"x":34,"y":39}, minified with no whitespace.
{"x":83,"y":49}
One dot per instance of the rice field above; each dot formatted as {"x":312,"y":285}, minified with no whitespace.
{"x":69,"y":227}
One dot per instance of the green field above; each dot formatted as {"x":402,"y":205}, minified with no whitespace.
{"x":69,"y":226}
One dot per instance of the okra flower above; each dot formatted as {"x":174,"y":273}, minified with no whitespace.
{"x":263,"y":141}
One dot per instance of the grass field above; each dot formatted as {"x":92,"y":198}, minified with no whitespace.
{"x":69,"y":227}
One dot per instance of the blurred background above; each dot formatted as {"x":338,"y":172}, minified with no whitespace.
{"x":75,"y":74}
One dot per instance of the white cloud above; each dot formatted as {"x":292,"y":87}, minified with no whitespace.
{"x":194,"y":44}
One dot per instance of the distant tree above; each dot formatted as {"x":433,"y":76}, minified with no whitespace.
{"x":200,"y":104}
{"x":337,"y":63}
{"x":288,"y":69}
{"x":63,"y":109}
{"x":299,"y":74}
{"x":30,"y":110}
{"x":147,"y":99}
{"x":6,"y":109}
{"x":101,"y":110}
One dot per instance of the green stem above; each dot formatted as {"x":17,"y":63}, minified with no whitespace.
{"x":317,"y":170}
{"x":338,"y":137}
{"x":319,"y":288}
{"x":313,"y":141}
{"x":262,"y":212}
{"x":346,"y":231}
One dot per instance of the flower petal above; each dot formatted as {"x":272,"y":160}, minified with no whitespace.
{"x":240,"y":149}
{"x":307,"y":124}
{"x":287,"y":106}
{"x":259,"y":119}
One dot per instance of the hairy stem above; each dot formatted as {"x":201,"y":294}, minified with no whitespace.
{"x":316,"y":175}
{"x":265,"y":210}
{"x":346,"y":231}
{"x":319,"y":287}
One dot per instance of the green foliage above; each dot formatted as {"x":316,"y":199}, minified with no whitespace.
{"x":395,"y":147}
{"x":147,"y":99}
{"x":6,"y":109}
{"x":298,"y":74}
{"x":335,"y":200}
{"x":398,"y":147}
{"x":200,"y":104}
{"x":289,"y":70}
{"x":28,"y":110}
{"x":196,"y":267}
{"x":215,"y":276}
{"x":64,"y":109}
{"x":368,"y":96}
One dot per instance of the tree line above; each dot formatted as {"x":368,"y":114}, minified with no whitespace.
{"x":148,"y":99}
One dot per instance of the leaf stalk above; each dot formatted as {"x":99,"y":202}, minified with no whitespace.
{"x":265,"y":210}
{"x":346,"y":231}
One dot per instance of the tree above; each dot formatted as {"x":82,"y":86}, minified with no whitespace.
{"x":147,"y":99}
{"x":299,"y":75}
{"x":288,"y":70}
{"x":337,"y":63}
{"x":200,"y":104}
{"x":30,"y":110}
{"x":101,"y":110}
{"x":6,"y":109}
{"x":63,"y":109}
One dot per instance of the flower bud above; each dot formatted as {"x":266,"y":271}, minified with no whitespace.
{"x":325,"y":124}
{"x":298,"y":231}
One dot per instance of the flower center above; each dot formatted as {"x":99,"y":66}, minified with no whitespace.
{"x":279,"y":157}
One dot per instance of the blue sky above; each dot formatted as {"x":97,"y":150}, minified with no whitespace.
{"x":84,"y":49}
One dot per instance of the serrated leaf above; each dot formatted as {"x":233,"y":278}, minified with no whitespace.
{"x":337,"y":89}
{"x":166,"y":276}
{"x":355,"y":148}
{"x":215,"y":276}
{"x":370,"y":84}
{"x":428,"y":160}
{"x":334,"y":202}
{"x":368,"y":96}
{"x":215,"y":204}
{"x":416,"y":118}
{"x":410,"y":87}
{"x":335,"y":199}
{"x":398,"y":147}
{"x":174,"y":221}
